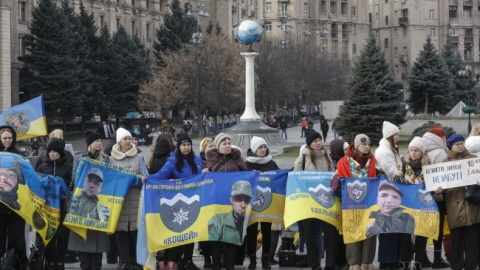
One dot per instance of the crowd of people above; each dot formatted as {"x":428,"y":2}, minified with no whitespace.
{"x":175,"y":158}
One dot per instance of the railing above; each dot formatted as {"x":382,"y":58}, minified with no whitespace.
{"x":403,"y":20}
{"x":453,"y":20}
{"x":468,"y":39}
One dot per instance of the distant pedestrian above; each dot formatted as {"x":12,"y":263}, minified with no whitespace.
{"x":304,"y":127}
{"x":336,"y":135}
{"x":324,"y":127}
{"x":283,"y":128}
{"x":35,"y":146}
{"x":172,"y":130}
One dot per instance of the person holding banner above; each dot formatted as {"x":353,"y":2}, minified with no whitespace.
{"x":314,"y":157}
{"x":183,"y":163}
{"x":358,"y":162}
{"x":410,"y":172}
{"x":259,"y":159}
{"x":11,"y":224}
{"x":55,"y":134}
{"x":463,"y":217}
{"x":125,"y":155}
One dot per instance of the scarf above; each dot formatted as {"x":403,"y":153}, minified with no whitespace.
{"x":118,"y":155}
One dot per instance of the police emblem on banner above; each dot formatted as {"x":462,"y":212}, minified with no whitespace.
{"x":322,"y":194}
{"x":357,"y":191}
{"x":18,"y":121}
{"x":263,"y":198}
{"x":425,"y":197}
{"x":179,"y":212}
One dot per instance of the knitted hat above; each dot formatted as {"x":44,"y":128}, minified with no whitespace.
{"x":183,"y":137}
{"x":242,"y":188}
{"x":419,"y":143}
{"x":437,"y":130}
{"x":219,"y":138}
{"x":204,"y":142}
{"x":389,"y":129}
{"x":256,"y":142}
{"x":359,"y":139}
{"x":57,"y":145}
{"x":454,"y":139}
{"x":91,"y":136}
{"x":312,"y":137}
{"x":122,"y":133}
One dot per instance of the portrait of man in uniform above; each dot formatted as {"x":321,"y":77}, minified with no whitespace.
{"x":10,"y":176}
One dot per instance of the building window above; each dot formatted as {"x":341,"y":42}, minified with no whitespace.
{"x":432,"y":33}
{"x":101,"y":21}
{"x":377,"y":17}
{"x":284,"y":9}
{"x":404,"y":32}
{"x":395,"y":32}
{"x":118,"y":23}
{"x":268,"y":7}
{"x":396,"y":14}
{"x":396,"y":51}
{"x":147,"y":4}
{"x":452,"y":12}
{"x":23,"y":11}
{"x":395,"y":69}
{"x":133,"y":28}
{"x":148,"y":31}
{"x":305,"y":7}
{"x":386,"y":43}
{"x":386,"y":20}
{"x":386,"y":1}
{"x":431,"y":13}
{"x":354,"y":11}
{"x":405,"y":51}
{"x":354,"y":29}
{"x":268,"y":27}
{"x":354,"y":48}
{"x":453,"y":32}
{"x":306,"y":27}
{"x":21,"y":44}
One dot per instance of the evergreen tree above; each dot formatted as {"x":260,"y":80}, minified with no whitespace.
{"x":103,"y":57}
{"x":430,"y":82}
{"x":177,"y":30}
{"x":372,"y":96}
{"x":463,"y":89}
{"x":129,"y":69}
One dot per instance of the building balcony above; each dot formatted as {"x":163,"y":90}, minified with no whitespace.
{"x":467,"y":2}
{"x":403,"y":21}
{"x":468,"y":39}
{"x":452,"y":2}
{"x":453,"y":39}
{"x":403,"y":59}
{"x":404,"y":76}
{"x":344,"y":36}
{"x":453,"y":20}
{"x":467,"y":21}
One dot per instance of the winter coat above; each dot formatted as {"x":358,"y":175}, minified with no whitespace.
{"x":160,"y":156}
{"x":435,"y":148}
{"x":97,"y":242}
{"x":322,"y":160}
{"x":44,"y":157}
{"x":387,"y":159}
{"x":234,"y":161}
{"x":324,"y":125}
{"x":283,"y":125}
{"x":460,"y":212}
{"x":261,"y":164}
{"x":472,"y":144}
{"x":169,"y":171}
{"x":133,"y":161}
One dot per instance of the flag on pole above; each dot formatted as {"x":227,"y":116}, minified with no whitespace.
{"x":28,"y":119}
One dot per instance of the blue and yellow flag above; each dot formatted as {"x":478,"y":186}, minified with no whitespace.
{"x":98,"y":195}
{"x":28,"y":119}
{"x":269,"y":202}
{"x":309,"y":195}
{"x":36,"y":198}
{"x":212,"y":206}
{"x":372,"y":206}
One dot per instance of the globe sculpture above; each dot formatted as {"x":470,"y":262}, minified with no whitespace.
{"x":249,"y":32}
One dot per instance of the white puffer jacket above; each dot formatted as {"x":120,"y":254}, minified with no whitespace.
{"x":387,"y":159}
{"x":472,"y":144}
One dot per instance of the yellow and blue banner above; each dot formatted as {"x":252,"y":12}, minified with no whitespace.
{"x":28,"y":119}
{"x":269,"y":202}
{"x":376,"y":205}
{"x":34,"y":197}
{"x":212,"y":206}
{"x":309,"y":195}
{"x":98,"y":195}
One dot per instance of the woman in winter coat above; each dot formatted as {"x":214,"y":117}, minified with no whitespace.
{"x":389,"y":160}
{"x":57,"y":165}
{"x":463,"y":217}
{"x":90,"y":251}
{"x":55,"y":134}
{"x":358,"y":162}
{"x":224,"y":158}
{"x":436,"y":151}
{"x":13,"y":225}
{"x":314,"y":157}
{"x":162,"y":150}
{"x":259,"y":159}
{"x":183,"y":163}
{"x":205,"y":145}
{"x":410,"y":172}
{"x":125,"y":155}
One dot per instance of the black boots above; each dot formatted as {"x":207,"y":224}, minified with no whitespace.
{"x":438,"y":261}
{"x":266,"y":262}
{"x":253,"y":262}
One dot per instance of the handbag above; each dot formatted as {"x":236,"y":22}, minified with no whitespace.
{"x":472,"y":194}
{"x":37,"y":261}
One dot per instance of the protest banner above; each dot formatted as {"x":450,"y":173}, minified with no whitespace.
{"x":452,"y":174}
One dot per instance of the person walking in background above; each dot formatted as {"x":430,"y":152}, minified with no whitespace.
{"x":304,"y":127}
{"x":334,"y":129}
{"x":283,"y":128}
{"x":324,"y":127}
{"x":35,"y":146}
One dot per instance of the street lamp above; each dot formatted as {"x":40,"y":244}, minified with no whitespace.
{"x":466,"y":74}
{"x":200,"y":11}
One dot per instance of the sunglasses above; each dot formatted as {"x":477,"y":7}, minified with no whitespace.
{"x":364,"y":139}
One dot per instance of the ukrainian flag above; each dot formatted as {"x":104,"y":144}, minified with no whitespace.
{"x":28,"y":119}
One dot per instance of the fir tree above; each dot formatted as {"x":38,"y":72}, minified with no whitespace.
{"x":430,"y":82}
{"x":372,"y":96}
{"x":463,"y":89}
{"x":177,"y":30}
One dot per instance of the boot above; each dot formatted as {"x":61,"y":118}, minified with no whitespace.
{"x":60,"y":266}
{"x":438,"y":261}
{"x":271,"y":260}
{"x":162,"y":265}
{"x":265,"y":262}
{"x":404,"y":265}
{"x":123,"y":266}
{"x":426,"y":263}
{"x":418,"y":266}
{"x":207,"y":262}
{"x":253,"y":262}
{"x":188,"y":264}
{"x":52,"y":266}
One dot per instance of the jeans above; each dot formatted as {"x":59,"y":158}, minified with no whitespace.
{"x":283,"y":133}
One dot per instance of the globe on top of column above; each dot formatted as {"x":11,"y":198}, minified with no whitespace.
{"x":249,"y":32}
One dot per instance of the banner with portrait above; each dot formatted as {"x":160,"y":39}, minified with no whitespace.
{"x":212,"y":206}
{"x":376,"y":205}
{"x":269,"y":202}
{"x":309,"y":195}
{"x":34,"y":197}
{"x":457,"y":173}
{"x":98,"y":195}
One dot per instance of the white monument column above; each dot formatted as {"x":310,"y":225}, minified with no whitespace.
{"x":5,"y":56}
{"x":250,"y":113}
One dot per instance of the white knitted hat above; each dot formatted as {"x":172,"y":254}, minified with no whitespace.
{"x":256,"y":142}
{"x":122,"y":133}
{"x":419,"y":143}
{"x":389,"y":129}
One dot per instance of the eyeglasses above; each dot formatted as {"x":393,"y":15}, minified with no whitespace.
{"x":459,"y":144}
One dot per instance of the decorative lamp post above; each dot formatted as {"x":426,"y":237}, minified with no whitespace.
{"x":200,"y":11}
{"x":466,"y":74}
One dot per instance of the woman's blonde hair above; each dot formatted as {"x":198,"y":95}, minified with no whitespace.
{"x":56,"y":134}
{"x":475,"y":131}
